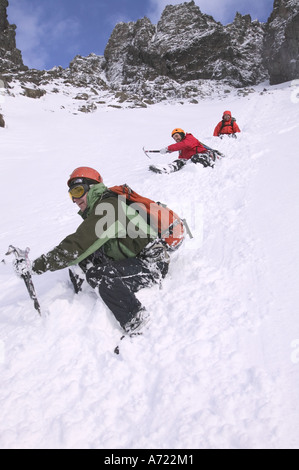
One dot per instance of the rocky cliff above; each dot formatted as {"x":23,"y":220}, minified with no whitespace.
{"x":10,"y":56}
{"x":145,"y":63}
{"x":186,"y":45}
{"x":189,"y":45}
{"x":281,"y":42}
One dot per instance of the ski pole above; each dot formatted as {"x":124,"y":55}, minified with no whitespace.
{"x":19,"y":254}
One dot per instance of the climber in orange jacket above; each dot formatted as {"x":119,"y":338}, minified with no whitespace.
{"x":227,"y":126}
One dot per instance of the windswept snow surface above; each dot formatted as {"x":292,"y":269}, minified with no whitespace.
{"x":219,"y":365}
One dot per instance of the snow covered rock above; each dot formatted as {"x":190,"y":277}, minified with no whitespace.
{"x":182,"y":56}
{"x":186,"y":45}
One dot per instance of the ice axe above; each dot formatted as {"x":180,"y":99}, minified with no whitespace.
{"x":150,"y":151}
{"x":26,"y":276}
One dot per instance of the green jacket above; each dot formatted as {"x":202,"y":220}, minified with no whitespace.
{"x":108,"y":224}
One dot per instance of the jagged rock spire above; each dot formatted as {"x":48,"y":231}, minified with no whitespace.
{"x":3,"y":15}
{"x":10,"y":57}
{"x":281,"y":42}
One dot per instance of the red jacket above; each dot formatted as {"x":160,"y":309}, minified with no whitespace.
{"x":188,"y":147}
{"x":228,"y":127}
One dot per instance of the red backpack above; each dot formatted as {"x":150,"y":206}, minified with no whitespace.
{"x":167,"y":224}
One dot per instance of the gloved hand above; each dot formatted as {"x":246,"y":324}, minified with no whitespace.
{"x":22,"y":266}
{"x":165,"y":150}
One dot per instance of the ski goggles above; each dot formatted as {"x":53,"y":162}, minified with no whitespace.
{"x":76,"y":192}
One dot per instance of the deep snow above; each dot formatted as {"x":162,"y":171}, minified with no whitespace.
{"x":219,"y":366}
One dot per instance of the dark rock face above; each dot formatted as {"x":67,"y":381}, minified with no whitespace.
{"x":189,"y":45}
{"x":3,"y":15}
{"x":145,"y":63}
{"x":126,"y":51}
{"x":243,"y":58}
{"x":281,"y":43}
{"x":10,"y":56}
{"x":186,"y":45}
{"x":2,"y":122}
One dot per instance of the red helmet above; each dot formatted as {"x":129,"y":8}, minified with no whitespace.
{"x":87,"y":173}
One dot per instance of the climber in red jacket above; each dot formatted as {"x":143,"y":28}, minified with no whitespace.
{"x":227,"y":126}
{"x":189,"y":148}
{"x":186,"y":144}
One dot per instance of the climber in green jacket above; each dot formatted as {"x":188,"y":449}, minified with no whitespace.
{"x":110,"y":258}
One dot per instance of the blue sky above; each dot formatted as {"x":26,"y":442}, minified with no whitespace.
{"x":53,"y":32}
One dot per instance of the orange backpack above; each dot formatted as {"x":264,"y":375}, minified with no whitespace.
{"x":166,"y":223}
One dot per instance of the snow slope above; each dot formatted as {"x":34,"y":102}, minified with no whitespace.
{"x":219,"y":366}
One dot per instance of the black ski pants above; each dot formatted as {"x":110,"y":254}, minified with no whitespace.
{"x":118,"y":281}
{"x":204,"y":158}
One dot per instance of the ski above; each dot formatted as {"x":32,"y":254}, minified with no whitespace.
{"x":19,"y":254}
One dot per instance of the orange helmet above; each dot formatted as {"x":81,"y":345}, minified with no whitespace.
{"x":177,"y":130}
{"x":86,"y":173}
